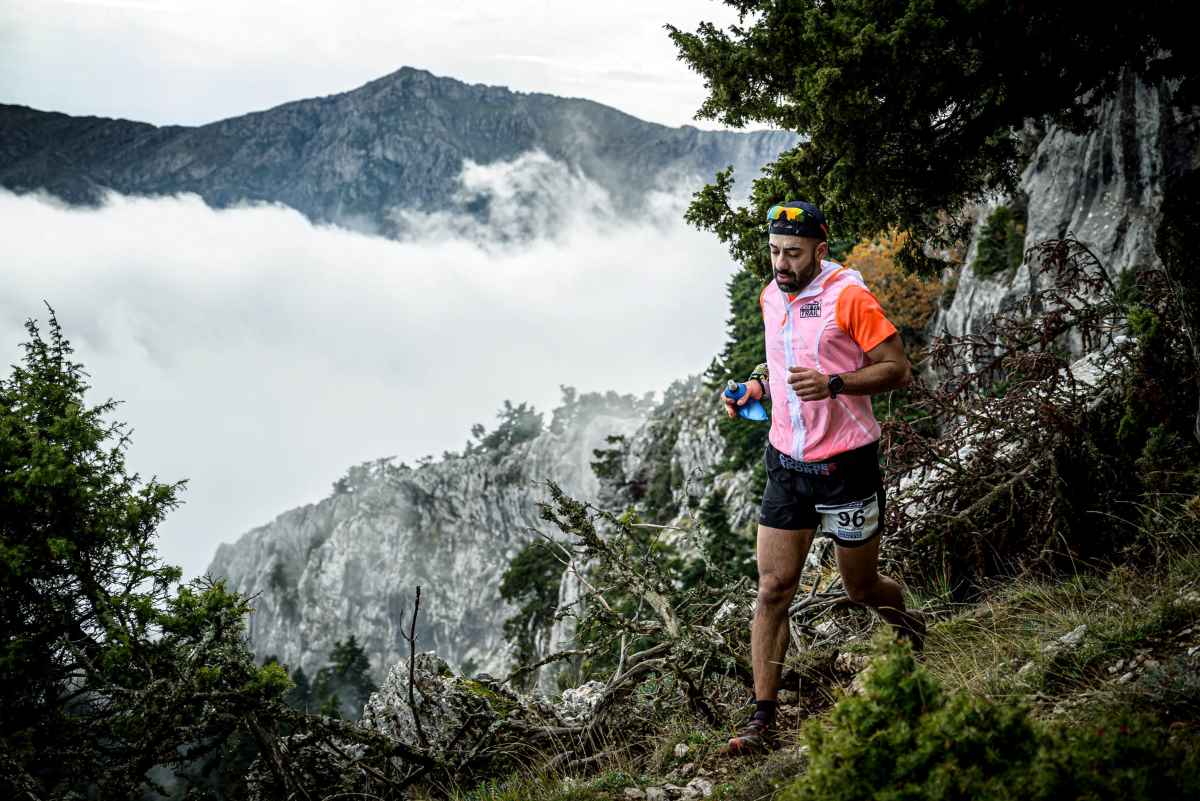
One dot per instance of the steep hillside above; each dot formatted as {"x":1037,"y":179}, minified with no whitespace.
{"x":350,"y":563}
{"x":310,"y":566}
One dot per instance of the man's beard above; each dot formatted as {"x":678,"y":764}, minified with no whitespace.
{"x":794,"y":282}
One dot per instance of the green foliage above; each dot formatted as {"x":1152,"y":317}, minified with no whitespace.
{"x":655,"y":484}
{"x":639,"y":614}
{"x":531,"y":582}
{"x":105,"y":672}
{"x":342,"y":687}
{"x":745,"y":348}
{"x":900,"y":406}
{"x":1172,"y":687}
{"x":1147,"y":403}
{"x":906,"y":109}
{"x":724,"y":554}
{"x":607,"y":466}
{"x":657,"y":493}
{"x":576,"y":408}
{"x":1001,"y":242}
{"x":905,"y":737}
{"x":518,"y":424}
{"x":300,"y":696}
{"x":540,"y":787}
{"x":361,"y":477}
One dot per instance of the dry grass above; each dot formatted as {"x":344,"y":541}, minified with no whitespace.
{"x":1006,"y":647}
{"x":996,"y":648}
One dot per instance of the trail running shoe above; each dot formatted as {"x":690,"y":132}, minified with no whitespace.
{"x":756,"y":738}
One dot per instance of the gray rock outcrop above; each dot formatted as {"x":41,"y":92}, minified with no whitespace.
{"x":453,"y":713}
{"x":349,"y":564}
{"x":1104,"y":188}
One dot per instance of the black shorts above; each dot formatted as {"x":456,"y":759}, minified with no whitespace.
{"x":842,"y":497}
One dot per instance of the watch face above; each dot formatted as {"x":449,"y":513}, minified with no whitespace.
{"x":835,"y":384}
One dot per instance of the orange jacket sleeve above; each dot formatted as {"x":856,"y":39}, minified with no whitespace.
{"x":861,"y":317}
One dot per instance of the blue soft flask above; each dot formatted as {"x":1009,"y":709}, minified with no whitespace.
{"x":753,"y":410}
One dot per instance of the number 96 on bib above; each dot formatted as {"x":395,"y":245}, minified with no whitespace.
{"x":851,"y":522}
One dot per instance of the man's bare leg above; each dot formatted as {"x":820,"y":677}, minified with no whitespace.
{"x":781,"y":554}
{"x":860,"y":575}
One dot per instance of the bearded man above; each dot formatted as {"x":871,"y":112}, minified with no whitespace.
{"x":829,"y":347}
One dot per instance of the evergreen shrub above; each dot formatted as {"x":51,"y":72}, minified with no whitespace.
{"x":745,"y":347}
{"x":531,"y":582}
{"x":1001,"y":243}
{"x":906,"y":737}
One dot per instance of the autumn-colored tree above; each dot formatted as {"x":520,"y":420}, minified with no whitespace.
{"x":907,"y":299}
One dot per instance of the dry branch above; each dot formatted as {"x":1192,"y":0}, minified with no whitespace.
{"x":411,"y":638}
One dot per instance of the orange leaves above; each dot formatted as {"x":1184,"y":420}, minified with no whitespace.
{"x":907,"y":300}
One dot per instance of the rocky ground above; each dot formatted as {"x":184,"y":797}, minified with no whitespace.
{"x":1067,"y":648}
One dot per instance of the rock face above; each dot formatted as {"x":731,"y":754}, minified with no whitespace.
{"x":672,"y":462}
{"x":349,"y":564}
{"x":1104,"y":188}
{"x":669,"y":465}
{"x":454,"y":712}
{"x":398,"y":142}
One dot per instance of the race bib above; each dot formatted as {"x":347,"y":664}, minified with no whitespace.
{"x":855,"y":521}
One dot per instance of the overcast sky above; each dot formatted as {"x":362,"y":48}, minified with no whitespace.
{"x":259,"y":356}
{"x":195,"y":61}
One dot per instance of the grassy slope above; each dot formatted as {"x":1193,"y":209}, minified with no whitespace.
{"x":1141,"y":649}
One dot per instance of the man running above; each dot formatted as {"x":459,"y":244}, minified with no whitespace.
{"x":829,"y":348}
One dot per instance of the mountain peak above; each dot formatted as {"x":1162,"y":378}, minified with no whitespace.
{"x":407,"y":74}
{"x":398,"y":142}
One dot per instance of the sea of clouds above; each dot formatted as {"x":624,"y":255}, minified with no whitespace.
{"x":259,"y":355}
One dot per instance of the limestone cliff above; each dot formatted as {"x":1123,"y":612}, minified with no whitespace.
{"x":1104,"y":188}
{"x":349,"y":564}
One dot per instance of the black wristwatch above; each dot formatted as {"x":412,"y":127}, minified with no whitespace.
{"x":836,"y":385}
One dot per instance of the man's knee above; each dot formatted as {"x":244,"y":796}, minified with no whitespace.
{"x":775,"y":590}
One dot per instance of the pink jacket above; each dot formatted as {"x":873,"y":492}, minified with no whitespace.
{"x":828,"y":327}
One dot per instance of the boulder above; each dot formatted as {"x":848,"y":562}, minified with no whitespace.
{"x":461,"y":720}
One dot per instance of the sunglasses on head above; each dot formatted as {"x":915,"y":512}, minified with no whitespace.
{"x":788,"y":212}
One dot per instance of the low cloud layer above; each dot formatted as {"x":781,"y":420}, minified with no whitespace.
{"x":259,"y":356}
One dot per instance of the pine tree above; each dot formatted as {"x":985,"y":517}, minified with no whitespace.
{"x":531,"y":582}
{"x":300,"y":697}
{"x":906,"y":110}
{"x":745,"y":348}
{"x":343,"y":686}
{"x":105,"y":671}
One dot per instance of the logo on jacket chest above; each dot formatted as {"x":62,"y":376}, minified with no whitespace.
{"x":809,"y":309}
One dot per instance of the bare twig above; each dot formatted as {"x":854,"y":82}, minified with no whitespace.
{"x":557,"y":656}
{"x":276,"y":761}
{"x":411,"y":637}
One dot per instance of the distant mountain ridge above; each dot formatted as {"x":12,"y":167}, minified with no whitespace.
{"x":400,"y":141}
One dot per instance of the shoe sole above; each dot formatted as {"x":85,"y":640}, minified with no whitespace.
{"x":742,"y":746}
